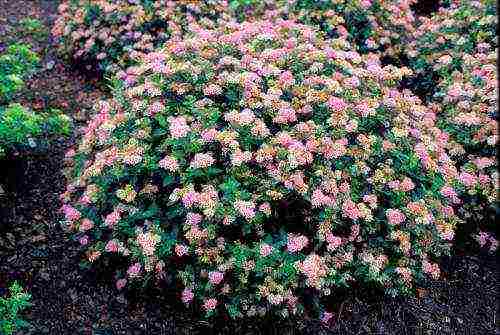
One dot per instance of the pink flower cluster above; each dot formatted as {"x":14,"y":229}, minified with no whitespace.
{"x":296,"y":243}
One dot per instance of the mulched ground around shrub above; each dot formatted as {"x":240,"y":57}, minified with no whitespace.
{"x":69,"y":300}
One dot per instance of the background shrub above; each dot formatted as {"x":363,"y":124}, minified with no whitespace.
{"x":107,"y":35}
{"x":24,"y":130}
{"x":17,"y":63}
{"x":20,"y":128}
{"x":439,"y":42}
{"x":370,"y":25}
{"x":10,"y":306}
{"x":194,"y":172}
{"x":454,"y":52}
{"x":33,"y":27}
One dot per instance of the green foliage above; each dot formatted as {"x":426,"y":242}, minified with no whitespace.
{"x":10,"y":307}
{"x":16,"y":64}
{"x":34,"y":28}
{"x":21,"y":128}
{"x":239,"y":5}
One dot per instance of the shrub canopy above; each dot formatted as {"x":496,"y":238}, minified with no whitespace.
{"x":455,"y":54}
{"x":186,"y":172}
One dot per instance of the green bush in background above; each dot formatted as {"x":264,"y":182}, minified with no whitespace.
{"x":10,"y":307}
{"x":21,"y":128}
{"x":17,"y":63}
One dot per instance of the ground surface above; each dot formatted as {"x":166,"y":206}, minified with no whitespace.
{"x":70,"y":300}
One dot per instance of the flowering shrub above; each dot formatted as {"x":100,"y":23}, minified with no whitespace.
{"x":22,"y":129}
{"x":185,"y":171}
{"x":466,"y":103}
{"x":369,"y":24}
{"x":438,"y":45}
{"x":17,"y":62}
{"x":108,"y":34}
{"x":248,"y":10}
{"x":456,"y":50}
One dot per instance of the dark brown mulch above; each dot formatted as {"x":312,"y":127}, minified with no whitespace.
{"x":70,"y":300}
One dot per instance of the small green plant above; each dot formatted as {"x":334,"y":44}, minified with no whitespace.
{"x":21,"y":128}
{"x":33,"y":27}
{"x":10,"y":307}
{"x":16,"y":64}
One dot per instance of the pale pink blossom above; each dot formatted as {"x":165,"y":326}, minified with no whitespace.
{"x":181,"y":250}
{"x":431,"y":269}
{"x":215,"y":277}
{"x":148,"y":242}
{"x":370,"y":199}
{"x":112,"y":246}
{"x":193,"y":218}
{"x":450,"y":193}
{"x":405,"y":274}
{"x":71,"y":213}
{"x":407,"y":185}
{"x":70,"y":153}
{"x":84,"y":240}
{"x":209,"y":135}
{"x":86,"y":225}
{"x":187,"y":295}
{"x":296,"y":243}
{"x":336,"y":104}
{"x":350,"y":210}
{"x":468,"y":179}
{"x":212,"y":89}
{"x":265,"y":249}
{"x":210,"y":304}
{"x":265,"y":208}
{"x":333,"y":241}
{"x":178,"y":127}
{"x":202,"y":161}
{"x":395,"y":216}
{"x":112,"y":218}
{"x":120,"y":283}
{"x":319,"y":199}
{"x":134,"y":270}
{"x":239,"y":157}
{"x":190,"y":198}
{"x":326,"y":317}
{"x":155,"y":108}
{"x":286,"y":79}
{"x":169,"y":163}
{"x":315,"y":269}
{"x":245,"y":208}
